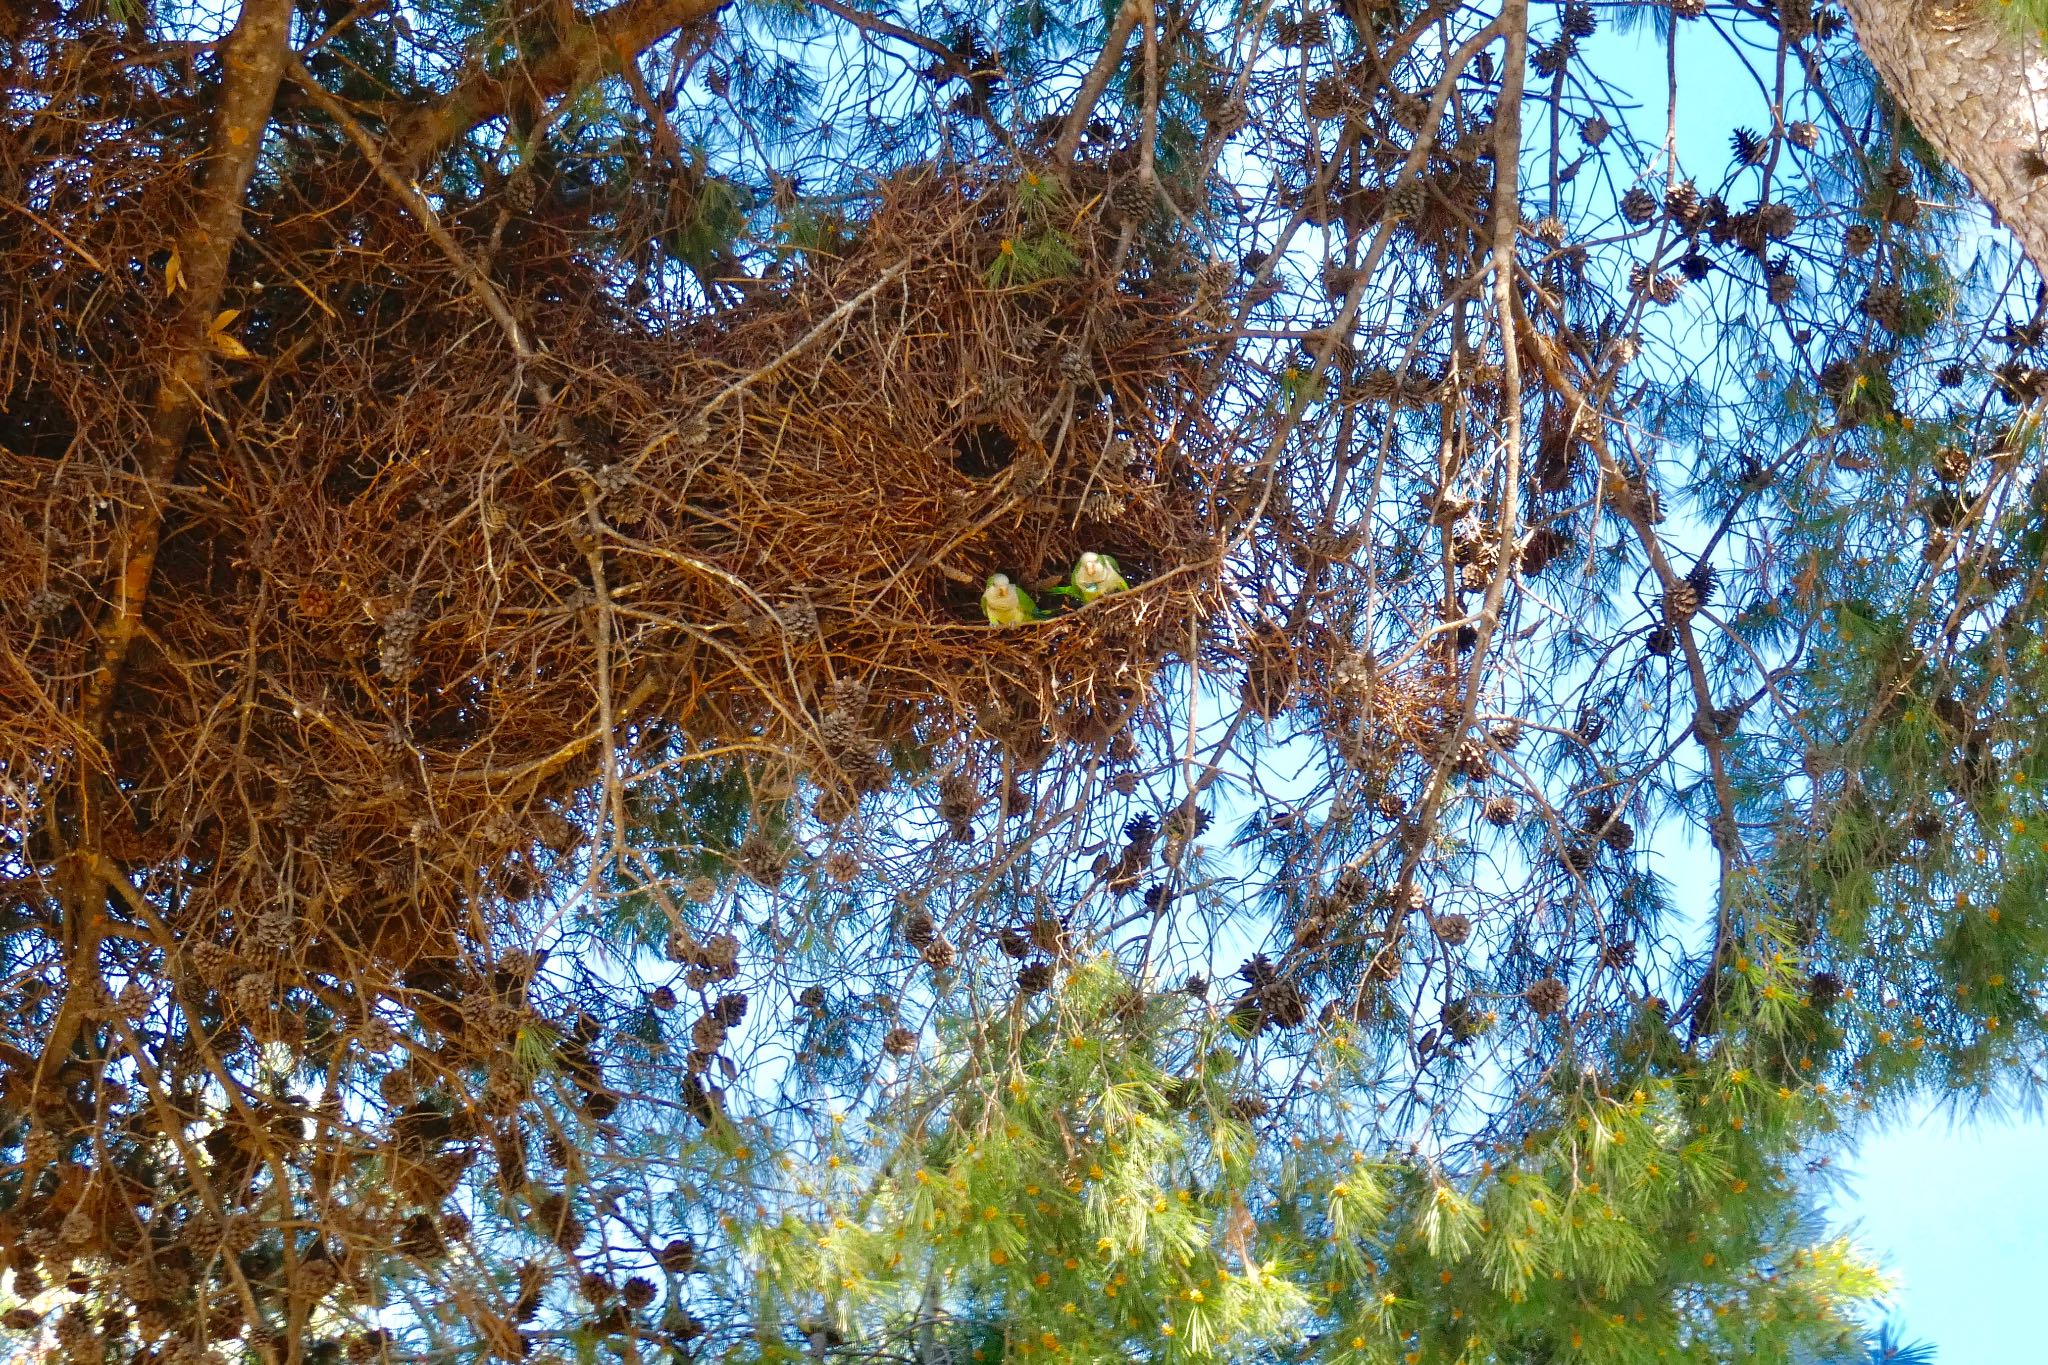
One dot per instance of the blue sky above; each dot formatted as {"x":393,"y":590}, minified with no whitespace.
{"x":1958,"y":1214}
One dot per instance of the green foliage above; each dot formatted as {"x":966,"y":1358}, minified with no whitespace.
{"x":1028,"y":260}
{"x":1093,"y":1186}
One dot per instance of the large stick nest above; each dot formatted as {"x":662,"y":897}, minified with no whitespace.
{"x":412,"y":590}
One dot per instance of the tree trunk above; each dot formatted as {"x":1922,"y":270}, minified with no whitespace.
{"x":1978,"y":90}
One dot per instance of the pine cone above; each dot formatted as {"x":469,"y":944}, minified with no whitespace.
{"x":1543,"y":547}
{"x":1823,"y":989}
{"x":1129,"y":198}
{"x":1638,"y":205}
{"x":1703,"y":579}
{"x":1227,"y":115}
{"x":679,"y":1257}
{"x":253,"y":992}
{"x":959,"y":797}
{"x":720,"y":956}
{"x":317,"y":1277}
{"x":840,"y":730}
{"x":763,"y":861}
{"x":520,"y":192}
{"x":899,"y":1042}
{"x":1452,"y":930}
{"x":400,"y":632}
{"x":1338,"y":279}
{"x":211,"y":960}
{"x":1885,"y":305}
{"x":1681,"y":603}
{"x":1547,"y":997}
{"x":1283,"y":1004}
{"x":1049,"y":936}
{"x":1326,"y":98}
{"x":1034,"y":977}
{"x":1500,"y":811}
{"x":363,"y":1347}
{"x":707,"y":1035}
{"x":1682,"y":204}
{"x":1576,"y":854}
{"x":1594,"y":131}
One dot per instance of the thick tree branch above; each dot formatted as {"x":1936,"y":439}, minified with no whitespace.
{"x":253,"y":62}
{"x":581,"y":55}
{"x":1096,"y":81}
{"x":1978,"y":90}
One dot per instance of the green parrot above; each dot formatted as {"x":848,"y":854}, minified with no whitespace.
{"x":1096,"y":575}
{"x":1007,"y":604}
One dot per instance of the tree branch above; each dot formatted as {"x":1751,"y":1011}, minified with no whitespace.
{"x":253,"y":62}
{"x":583,"y":54}
{"x":1096,"y":81}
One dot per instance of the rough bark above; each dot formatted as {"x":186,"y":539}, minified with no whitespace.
{"x":1978,"y":90}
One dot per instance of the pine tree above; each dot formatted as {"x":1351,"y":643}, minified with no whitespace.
{"x":520,"y":839}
